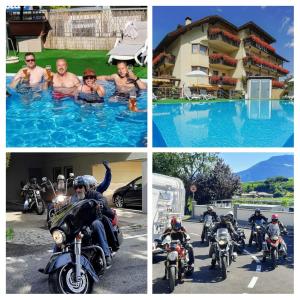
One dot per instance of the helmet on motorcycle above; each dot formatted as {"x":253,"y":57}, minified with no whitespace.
{"x":230,"y":213}
{"x":175,"y":223}
{"x":210,"y":208}
{"x":257,"y":211}
{"x":274,"y":218}
{"x":80,"y":182}
{"x":33,"y":180}
{"x":60,"y":177}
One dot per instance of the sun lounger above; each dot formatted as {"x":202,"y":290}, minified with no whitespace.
{"x":132,"y":45}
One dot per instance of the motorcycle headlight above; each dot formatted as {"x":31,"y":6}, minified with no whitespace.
{"x":172,"y":256}
{"x":222,"y":242}
{"x":257,"y":227}
{"x":58,"y":236}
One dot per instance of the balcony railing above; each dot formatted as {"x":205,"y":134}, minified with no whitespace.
{"x":225,"y":36}
{"x":261,"y":63}
{"x":222,"y":80}
{"x":223,"y":59}
{"x":259,"y":44}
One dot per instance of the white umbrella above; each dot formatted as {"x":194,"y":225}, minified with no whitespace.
{"x":291,"y":80}
{"x":196,"y":73}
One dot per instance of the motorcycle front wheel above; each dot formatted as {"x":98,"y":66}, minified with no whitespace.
{"x":62,"y":281}
{"x":172,"y":278}
{"x":223,"y":267}
{"x":274,"y":258}
{"x":40,"y":208}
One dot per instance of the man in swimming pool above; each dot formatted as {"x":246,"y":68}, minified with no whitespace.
{"x":30,"y":75}
{"x":125,"y":82}
{"x":64,"y":83}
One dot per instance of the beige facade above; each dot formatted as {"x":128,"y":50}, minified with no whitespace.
{"x":226,"y":53}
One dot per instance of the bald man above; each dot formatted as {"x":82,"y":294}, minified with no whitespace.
{"x":64,"y":83}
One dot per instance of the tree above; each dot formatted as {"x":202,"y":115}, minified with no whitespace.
{"x":219,"y":184}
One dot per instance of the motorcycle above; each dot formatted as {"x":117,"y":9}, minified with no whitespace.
{"x":223,"y":250}
{"x":33,"y":200}
{"x":176,"y":264}
{"x":273,"y":248}
{"x":81,"y":261}
{"x":258,"y":229}
{"x":208,"y":225}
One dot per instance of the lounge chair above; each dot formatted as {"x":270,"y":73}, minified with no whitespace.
{"x":188,"y":94}
{"x":132,"y":45}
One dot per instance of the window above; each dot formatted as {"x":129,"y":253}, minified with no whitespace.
{"x":138,"y":183}
{"x":198,"y":48}
{"x":216,"y":73}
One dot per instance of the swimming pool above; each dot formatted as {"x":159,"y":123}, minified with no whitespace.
{"x":233,"y":123}
{"x":44,"y":122}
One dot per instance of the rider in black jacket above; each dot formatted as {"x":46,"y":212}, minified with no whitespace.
{"x":215,"y":218}
{"x":224,"y":223}
{"x":257,"y":216}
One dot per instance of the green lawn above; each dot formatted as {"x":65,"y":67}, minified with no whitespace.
{"x":174,"y":101}
{"x":78,"y":60}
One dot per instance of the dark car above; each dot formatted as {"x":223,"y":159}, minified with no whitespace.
{"x":129,"y":195}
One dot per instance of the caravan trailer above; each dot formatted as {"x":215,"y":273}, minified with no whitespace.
{"x":168,"y":200}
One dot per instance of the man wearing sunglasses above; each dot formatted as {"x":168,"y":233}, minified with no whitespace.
{"x":99,"y":227}
{"x":30,"y":74}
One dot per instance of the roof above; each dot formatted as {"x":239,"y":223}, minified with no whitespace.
{"x":251,"y":25}
{"x":171,"y":36}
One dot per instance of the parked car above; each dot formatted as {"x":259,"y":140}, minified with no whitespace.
{"x":129,"y":195}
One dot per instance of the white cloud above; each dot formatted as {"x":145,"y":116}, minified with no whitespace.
{"x":289,"y":44}
{"x":290,"y":30}
{"x":284,"y":22}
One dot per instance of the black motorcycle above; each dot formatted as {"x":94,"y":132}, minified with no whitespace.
{"x":258,"y":231}
{"x":80,"y":261}
{"x":239,"y":241}
{"x":208,"y":225}
{"x":33,"y":200}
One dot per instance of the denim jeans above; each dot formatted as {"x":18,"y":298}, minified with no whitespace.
{"x":98,"y":229}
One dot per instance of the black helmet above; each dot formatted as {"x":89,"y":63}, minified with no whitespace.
{"x":80,"y":181}
{"x":33,"y":180}
{"x":257,"y":210}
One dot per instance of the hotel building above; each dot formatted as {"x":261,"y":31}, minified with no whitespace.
{"x":228,"y":56}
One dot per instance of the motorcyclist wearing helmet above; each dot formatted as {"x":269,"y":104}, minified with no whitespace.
{"x":82,"y":191}
{"x":230,"y":217}
{"x":224,"y":223}
{"x":210,"y":211}
{"x":257,"y":216}
{"x":32,"y":184}
{"x":178,"y":232}
{"x":275,"y":227}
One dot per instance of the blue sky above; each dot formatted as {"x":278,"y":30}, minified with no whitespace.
{"x":242,"y":161}
{"x":276,"y":20}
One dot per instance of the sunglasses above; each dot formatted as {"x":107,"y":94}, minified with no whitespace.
{"x":89,"y":77}
{"x":30,"y":60}
{"x":80,"y":186}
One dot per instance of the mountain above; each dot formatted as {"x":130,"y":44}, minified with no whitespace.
{"x":282,"y":165}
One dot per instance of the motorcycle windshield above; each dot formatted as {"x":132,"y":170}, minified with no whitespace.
{"x":76,"y":214}
{"x":208,"y":219}
{"x":259,"y":222}
{"x":222,"y":233}
{"x":273,"y":230}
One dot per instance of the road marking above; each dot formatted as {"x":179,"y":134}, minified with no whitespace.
{"x":134,"y":236}
{"x":252,"y":282}
{"x":195,"y":234}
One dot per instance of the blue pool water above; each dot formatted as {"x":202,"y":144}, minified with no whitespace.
{"x":44,"y":122}
{"x":235,"y":123}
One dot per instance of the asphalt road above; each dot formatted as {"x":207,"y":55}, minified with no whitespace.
{"x":247,"y":275}
{"x":128,"y":273}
